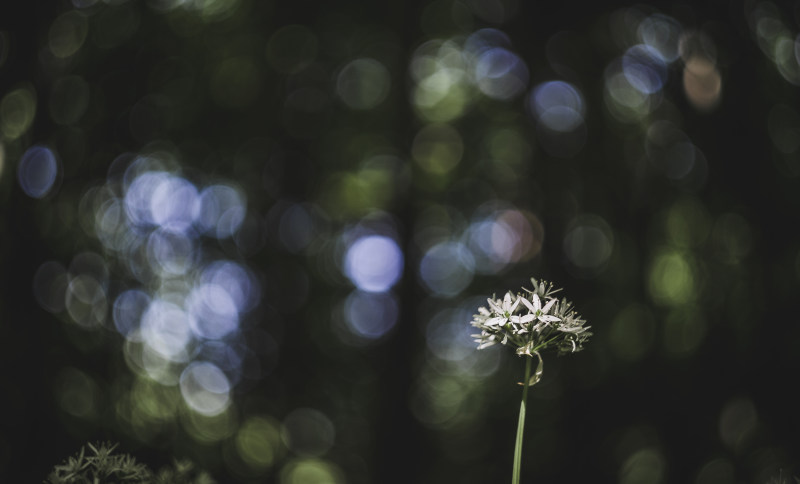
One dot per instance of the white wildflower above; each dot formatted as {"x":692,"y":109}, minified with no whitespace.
{"x":531,"y":322}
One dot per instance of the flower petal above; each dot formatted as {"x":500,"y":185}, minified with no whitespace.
{"x":507,"y":301}
{"x":496,"y":321}
{"x":494,"y":306}
{"x":526,"y":319}
{"x":547,"y":318}
{"x":528,"y":304}
{"x":548,"y":306}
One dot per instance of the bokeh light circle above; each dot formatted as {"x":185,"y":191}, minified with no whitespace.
{"x":662,"y":33}
{"x":38,"y":171}
{"x":588,"y":245}
{"x":308,"y":432}
{"x":558,"y":105}
{"x":237,"y":281}
{"x":165,"y":329}
{"x":501,"y":74}
{"x":222,"y":211}
{"x":446,"y":336}
{"x":363,"y":83}
{"x":447,"y":268}
{"x":374,"y":263}
{"x":205,"y":388}
{"x":371,"y":315}
{"x":174,"y":204}
{"x":212,"y":312}
{"x":50,"y":286}
{"x":129,"y":307}
{"x":644,"y":68}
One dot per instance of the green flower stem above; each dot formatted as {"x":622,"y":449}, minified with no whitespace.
{"x":521,"y":424}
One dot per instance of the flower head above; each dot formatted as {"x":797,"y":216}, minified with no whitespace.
{"x":531,"y":322}
{"x":502,"y":310}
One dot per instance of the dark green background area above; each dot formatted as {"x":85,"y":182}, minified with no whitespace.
{"x":627,"y":409}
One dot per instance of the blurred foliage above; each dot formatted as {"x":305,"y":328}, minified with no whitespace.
{"x":252,"y":234}
{"x":103,"y":467}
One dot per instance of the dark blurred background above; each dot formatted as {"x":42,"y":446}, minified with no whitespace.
{"x":253,"y":233}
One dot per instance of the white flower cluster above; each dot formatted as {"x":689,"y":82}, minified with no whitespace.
{"x":531,"y":322}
